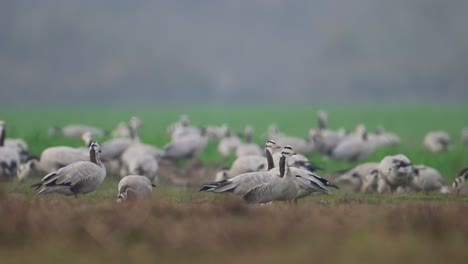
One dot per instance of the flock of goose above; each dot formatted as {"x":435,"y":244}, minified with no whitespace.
{"x":280,"y":171}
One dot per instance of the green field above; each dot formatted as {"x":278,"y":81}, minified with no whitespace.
{"x":182,"y":225}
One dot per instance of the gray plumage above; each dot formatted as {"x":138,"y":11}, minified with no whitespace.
{"x":437,"y":141}
{"x":134,"y":186}
{"x":138,"y":159}
{"x":186,"y":147}
{"x":394,"y":171}
{"x":459,"y":185}
{"x":9,"y":157}
{"x":426,"y":179}
{"x":76,"y":131}
{"x":353,"y":178}
{"x":76,"y":178}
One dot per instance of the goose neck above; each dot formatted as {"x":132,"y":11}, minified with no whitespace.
{"x":284,"y":167}
{"x":2,"y":136}
{"x":269,"y":158}
{"x":94,"y":157}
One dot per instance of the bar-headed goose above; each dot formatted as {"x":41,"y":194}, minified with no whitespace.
{"x":394,"y":171}
{"x":134,"y":187}
{"x":228,"y":144}
{"x":241,"y":183}
{"x":287,"y":184}
{"x":464,"y":135}
{"x":9,"y":157}
{"x":353,"y":148}
{"x":186,"y":147}
{"x":248,"y":148}
{"x":76,"y":130}
{"x":354,"y":178}
{"x":437,"y":141}
{"x":54,"y":158}
{"x":426,"y":179}
{"x":76,"y":178}
{"x":459,"y":185}
{"x":250,"y":163}
{"x":123,"y":129}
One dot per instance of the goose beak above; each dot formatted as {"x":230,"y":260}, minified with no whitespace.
{"x":334,"y":186}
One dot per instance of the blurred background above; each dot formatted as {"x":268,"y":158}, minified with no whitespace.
{"x":230,"y":52}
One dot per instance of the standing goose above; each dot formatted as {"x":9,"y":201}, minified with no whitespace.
{"x":289,"y":184}
{"x":9,"y":157}
{"x":307,"y":181}
{"x":133,"y":187}
{"x":240,"y":184}
{"x":78,"y":177}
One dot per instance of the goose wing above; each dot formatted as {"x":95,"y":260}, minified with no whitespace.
{"x":77,"y":172}
{"x":261,"y":193}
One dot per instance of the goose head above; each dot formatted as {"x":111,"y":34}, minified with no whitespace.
{"x":25,"y":170}
{"x":95,"y":146}
{"x":271,"y":146}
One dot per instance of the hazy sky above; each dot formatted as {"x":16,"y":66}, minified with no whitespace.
{"x":162,"y":52}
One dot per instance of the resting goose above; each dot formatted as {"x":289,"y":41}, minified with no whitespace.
{"x":54,"y":158}
{"x":459,"y":185}
{"x":355,"y":177}
{"x":228,"y":144}
{"x":437,"y":141}
{"x":76,"y":178}
{"x":464,"y":135}
{"x":135,"y":160}
{"x":250,"y":163}
{"x":394,"y":171}
{"x":353,"y":148}
{"x":248,"y":148}
{"x":186,"y":147}
{"x":76,"y":130}
{"x":426,"y":179}
{"x":123,"y":130}
{"x":133,"y":187}
{"x":9,"y":157}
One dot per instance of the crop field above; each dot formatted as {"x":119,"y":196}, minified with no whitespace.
{"x":179,"y":224}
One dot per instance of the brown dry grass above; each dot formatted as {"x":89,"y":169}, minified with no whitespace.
{"x":56,"y":230}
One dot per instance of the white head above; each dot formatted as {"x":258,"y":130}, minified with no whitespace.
{"x":222,"y":175}
{"x":271,"y":146}
{"x":26,"y":170}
